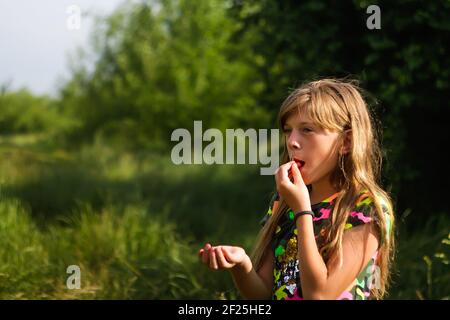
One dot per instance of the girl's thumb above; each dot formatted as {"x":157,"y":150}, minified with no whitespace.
{"x":226,"y":254}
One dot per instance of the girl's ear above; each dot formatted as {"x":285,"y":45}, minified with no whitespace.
{"x":347,"y":142}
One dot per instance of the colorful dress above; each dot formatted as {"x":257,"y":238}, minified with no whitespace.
{"x":284,"y":245}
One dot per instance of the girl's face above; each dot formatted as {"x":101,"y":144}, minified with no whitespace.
{"x":315,"y":147}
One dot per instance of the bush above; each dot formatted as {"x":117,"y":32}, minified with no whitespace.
{"x":22,"y":112}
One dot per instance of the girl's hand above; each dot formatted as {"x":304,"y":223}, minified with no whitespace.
{"x":224,"y":257}
{"x":295,"y":193}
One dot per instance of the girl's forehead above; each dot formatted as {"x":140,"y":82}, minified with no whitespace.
{"x":299,"y":118}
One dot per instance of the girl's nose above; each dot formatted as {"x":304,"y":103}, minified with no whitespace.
{"x":293,"y":141}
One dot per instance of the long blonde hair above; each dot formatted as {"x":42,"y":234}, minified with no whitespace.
{"x":338,"y":105}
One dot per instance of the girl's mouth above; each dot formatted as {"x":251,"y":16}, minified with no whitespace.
{"x":300,"y":163}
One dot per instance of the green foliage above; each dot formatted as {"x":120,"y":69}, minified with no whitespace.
{"x":157,"y":71}
{"x":22,"y":112}
{"x":422,"y":262}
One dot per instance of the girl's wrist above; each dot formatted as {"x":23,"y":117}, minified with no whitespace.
{"x":299,"y":214}
{"x":299,"y":208}
{"x":244,"y":266}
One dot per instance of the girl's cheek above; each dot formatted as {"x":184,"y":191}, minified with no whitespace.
{"x":305,"y":176}
{"x":306,"y":180}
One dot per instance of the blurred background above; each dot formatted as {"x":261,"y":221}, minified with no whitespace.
{"x":90,"y":93}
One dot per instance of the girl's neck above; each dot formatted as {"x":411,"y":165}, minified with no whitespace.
{"x":321,"y":191}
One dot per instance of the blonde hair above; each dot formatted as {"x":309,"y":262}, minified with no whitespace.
{"x":338,"y":105}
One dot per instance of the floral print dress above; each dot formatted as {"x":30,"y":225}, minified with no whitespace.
{"x":284,"y":245}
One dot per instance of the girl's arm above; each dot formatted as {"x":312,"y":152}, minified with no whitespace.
{"x":328,"y":281}
{"x":251,"y":284}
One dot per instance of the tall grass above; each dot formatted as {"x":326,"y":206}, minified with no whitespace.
{"x":121,"y":255}
{"x":24,"y":260}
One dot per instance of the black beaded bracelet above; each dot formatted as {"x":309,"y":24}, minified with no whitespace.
{"x":302,"y":213}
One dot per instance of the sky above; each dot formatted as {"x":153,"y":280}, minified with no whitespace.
{"x":37,"y":37}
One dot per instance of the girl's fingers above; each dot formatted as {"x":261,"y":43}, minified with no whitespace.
{"x":205,"y":256}
{"x":296,"y":174}
{"x":228,"y":255}
{"x":203,"y":253}
{"x":217,"y":257}
{"x":283,"y":171}
{"x":212,"y":259}
{"x":222,"y":262}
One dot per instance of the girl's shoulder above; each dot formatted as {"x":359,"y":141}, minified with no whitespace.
{"x":362,"y":211}
{"x":366,"y":204}
{"x":365,"y":211}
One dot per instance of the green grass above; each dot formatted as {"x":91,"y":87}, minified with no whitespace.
{"x":122,"y":255}
{"x":133,"y":224}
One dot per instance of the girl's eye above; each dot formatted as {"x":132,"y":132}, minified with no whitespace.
{"x":287,"y":131}
{"x":307,"y":130}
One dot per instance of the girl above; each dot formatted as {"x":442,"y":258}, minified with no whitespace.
{"x":328,"y":233}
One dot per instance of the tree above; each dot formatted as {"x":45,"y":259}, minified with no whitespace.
{"x":161,"y":65}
